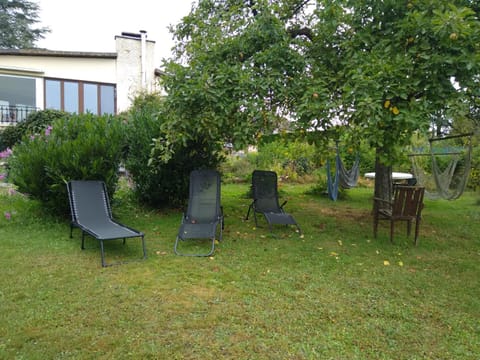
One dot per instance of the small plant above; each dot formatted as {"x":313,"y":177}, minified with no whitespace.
{"x":5,"y":188}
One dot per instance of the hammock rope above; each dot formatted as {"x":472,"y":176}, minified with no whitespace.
{"x":346,"y":179}
{"x":450,"y":182}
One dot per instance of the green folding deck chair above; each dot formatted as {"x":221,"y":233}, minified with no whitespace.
{"x":204,"y":215}
{"x":91,"y":213}
{"x":265,"y":200}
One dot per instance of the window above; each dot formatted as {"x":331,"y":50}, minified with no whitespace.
{"x":90,"y":98}
{"x":53,"y":94}
{"x":79,"y":97}
{"x":17,"y":90}
{"x":70,"y":96}
{"x":107,"y":96}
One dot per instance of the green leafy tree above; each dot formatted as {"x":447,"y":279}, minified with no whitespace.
{"x":17,"y":24}
{"x":234,"y":73}
{"x":381,"y":69}
{"x":391,"y":67}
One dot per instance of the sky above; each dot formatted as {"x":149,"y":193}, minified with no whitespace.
{"x":91,"y":25}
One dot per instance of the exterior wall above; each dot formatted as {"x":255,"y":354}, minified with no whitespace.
{"x":40,"y":67}
{"x":125,"y":69}
{"x":86,"y":69}
{"x":130,"y":69}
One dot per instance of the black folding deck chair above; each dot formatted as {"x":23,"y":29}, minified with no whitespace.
{"x":91,"y":212}
{"x":204,"y":212}
{"x":265,"y":200}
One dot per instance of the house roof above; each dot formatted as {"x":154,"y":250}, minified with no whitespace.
{"x":56,"y":53}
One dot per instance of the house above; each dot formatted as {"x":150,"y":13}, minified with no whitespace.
{"x":77,"y":82}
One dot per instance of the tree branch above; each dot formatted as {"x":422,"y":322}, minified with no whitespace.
{"x":299,"y":7}
{"x":295,"y":32}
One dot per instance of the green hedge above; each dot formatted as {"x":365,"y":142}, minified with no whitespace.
{"x":75,"y":147}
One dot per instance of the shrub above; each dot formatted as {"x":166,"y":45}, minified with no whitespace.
{"x":291,"y":159}
{"x":82,"y":147}
{"x":474,"y":180}
{"x":35,"y":123}
{"x":157,"y":183}
{"x":142,"y":128}
{"x":173,"y":177}
{"x":238,"y":168}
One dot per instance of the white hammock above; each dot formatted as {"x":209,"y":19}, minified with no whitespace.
{"x":447,"y":182}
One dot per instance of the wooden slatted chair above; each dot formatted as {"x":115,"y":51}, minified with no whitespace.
{"x":407,"y":205}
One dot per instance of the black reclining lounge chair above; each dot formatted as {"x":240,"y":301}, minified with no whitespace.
{"x":204,"y":212}
{"x":265,"y":200}
{"x":91,"y":212}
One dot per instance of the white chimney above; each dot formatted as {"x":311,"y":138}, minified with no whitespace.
{"x":143,"y":35}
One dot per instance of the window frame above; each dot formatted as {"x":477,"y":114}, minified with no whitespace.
{"x":81,"y":98}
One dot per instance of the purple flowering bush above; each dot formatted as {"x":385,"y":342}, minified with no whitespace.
{"x":5,"y":153}
{"x":36,"y":123}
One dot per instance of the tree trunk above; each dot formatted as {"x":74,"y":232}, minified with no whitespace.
{"x":383,"y":180}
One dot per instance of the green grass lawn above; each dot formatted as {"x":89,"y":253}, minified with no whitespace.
{"x":334,"y":293}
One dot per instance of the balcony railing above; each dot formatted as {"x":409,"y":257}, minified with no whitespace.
{"x":10,"y":115}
